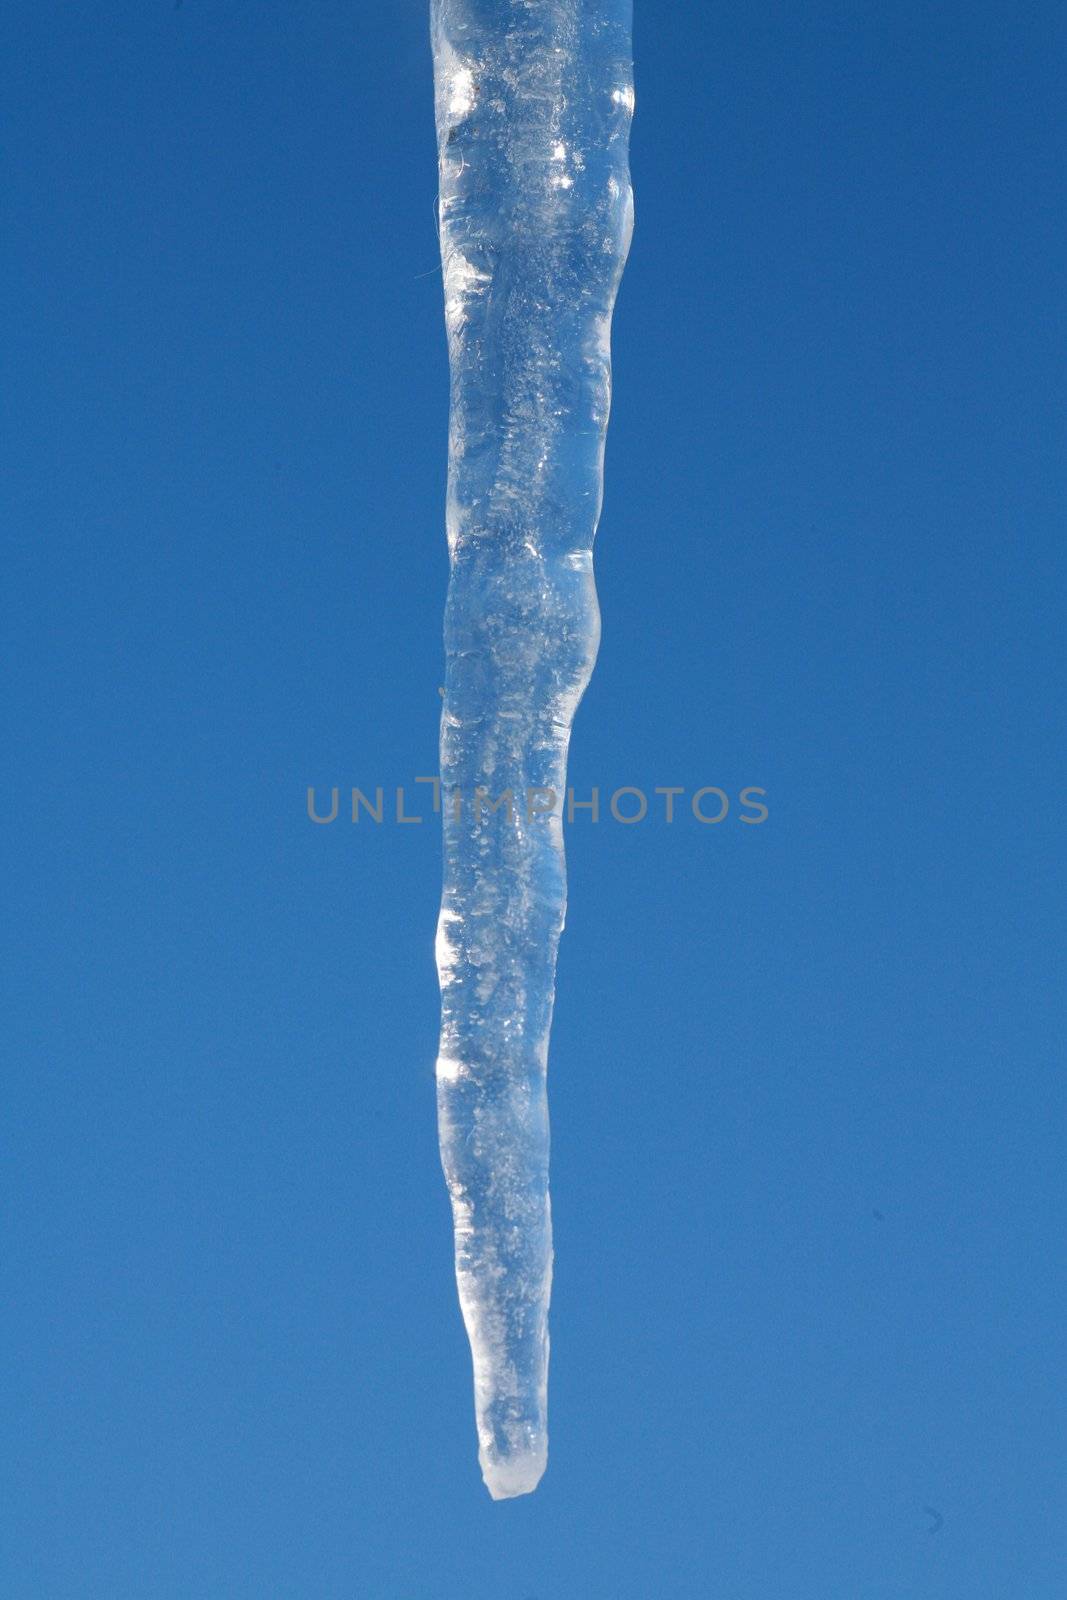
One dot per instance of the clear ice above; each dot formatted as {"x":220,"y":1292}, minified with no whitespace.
{"x":533,"y":107}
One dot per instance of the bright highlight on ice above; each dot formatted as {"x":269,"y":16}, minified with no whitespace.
{"x":533,"y":103}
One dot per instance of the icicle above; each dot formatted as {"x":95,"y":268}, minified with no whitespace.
{"x":533,"y":101}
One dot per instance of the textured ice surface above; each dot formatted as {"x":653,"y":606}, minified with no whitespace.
{"x":533,"y":103}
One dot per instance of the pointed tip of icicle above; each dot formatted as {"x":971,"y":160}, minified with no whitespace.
{"x":506,"y":1480}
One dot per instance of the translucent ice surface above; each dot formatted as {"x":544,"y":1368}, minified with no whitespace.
{"x":533,"y":105}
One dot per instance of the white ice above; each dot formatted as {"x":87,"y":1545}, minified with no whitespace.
{"x":533,"y":100}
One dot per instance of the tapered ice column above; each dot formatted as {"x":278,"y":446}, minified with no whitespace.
{"x":533,"y":101}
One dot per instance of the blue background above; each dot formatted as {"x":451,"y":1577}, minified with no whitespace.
{"x":807,"y":1117}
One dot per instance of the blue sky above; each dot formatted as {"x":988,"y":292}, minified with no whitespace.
{"x":806,"y":1077}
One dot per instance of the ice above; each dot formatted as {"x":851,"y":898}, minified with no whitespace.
{"x":533,"y":107}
